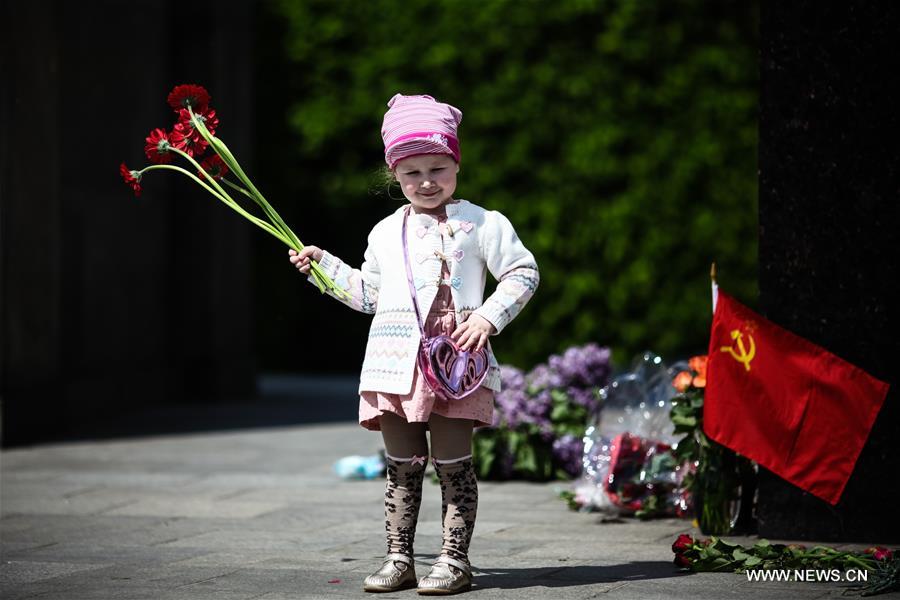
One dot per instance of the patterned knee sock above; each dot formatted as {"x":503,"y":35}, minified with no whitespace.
{"x":402,"y":497}
{"x":459,"y":495}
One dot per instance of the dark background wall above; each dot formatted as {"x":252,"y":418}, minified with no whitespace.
{"x":111,"y":303}
{"x":829,"y":182}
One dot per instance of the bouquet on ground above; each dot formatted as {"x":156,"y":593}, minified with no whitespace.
{"x":191,"y":136}
{"x":629,"y":460}
{"x":716,"y":555}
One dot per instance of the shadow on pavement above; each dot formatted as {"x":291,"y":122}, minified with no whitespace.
{"x":555,"y":576}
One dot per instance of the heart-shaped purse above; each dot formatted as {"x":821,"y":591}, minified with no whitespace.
{"x":450,"y":372}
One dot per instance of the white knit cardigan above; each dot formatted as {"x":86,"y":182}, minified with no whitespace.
{"x":473,"y":240}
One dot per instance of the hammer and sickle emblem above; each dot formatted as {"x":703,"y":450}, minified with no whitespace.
{"x":742,"y":355}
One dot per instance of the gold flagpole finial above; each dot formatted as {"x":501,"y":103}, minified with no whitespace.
{"x":712,"y":272}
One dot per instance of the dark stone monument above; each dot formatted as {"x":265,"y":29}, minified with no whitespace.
{"x":110,"y":303}
{"x":829,"y":181}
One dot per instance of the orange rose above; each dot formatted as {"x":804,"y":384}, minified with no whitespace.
{"x":698,"y":365}
{"x":682,"y":381}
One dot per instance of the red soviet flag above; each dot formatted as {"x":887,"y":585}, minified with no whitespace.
{"x":790,"y":405}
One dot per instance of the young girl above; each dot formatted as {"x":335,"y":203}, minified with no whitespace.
{"x":450,"y":243}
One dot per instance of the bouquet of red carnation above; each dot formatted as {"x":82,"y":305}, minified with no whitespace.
{"x":190,"y":137}
{"x":715,"y":554}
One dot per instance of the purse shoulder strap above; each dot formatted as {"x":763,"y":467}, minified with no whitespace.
{"x":409,"y":277}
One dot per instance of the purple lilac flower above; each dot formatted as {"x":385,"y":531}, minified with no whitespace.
{"x":511,"y":378}
{"x":567,"y":452}
{"x":538,"y":407}
{"x":542,"y":377}
{"x":512,"y":405}
{"x":527,"y":398}
{"x":583,"y":397}
{"x":584,"y":366}
{"x":516,"y":405}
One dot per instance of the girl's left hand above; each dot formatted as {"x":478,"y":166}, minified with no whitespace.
{"x":474,"y":331}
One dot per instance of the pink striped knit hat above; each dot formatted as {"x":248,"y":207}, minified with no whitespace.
{"x":419,"y":125}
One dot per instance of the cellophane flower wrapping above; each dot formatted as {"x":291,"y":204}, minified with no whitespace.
{"x":629,"y":465}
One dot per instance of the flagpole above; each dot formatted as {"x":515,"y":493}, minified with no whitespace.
{"x":714,"y":286}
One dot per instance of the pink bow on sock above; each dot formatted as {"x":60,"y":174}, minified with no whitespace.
{"x":417,"y":460}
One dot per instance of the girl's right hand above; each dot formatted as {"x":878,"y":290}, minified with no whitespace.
{"x":301,"y":259}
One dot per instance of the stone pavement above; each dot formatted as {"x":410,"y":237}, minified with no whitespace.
{"x":258,"y":514}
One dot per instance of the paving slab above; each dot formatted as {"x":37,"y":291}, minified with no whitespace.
{"x":258,"y":514}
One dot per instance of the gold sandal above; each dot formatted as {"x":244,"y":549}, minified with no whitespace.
{"x":397,"y":573}
{"x":447,"y":576}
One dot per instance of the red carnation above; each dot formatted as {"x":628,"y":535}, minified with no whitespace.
{"x":157,"y":148}
{"x":880,"y":553}
{"x":187,"y":140}
{"x":193,"y":142}
{"x":683,"y":543}
{"x":207,"y":117}
{"x":132,"y":178}
{"x":215,"y":166}
{"x":191,"y":95}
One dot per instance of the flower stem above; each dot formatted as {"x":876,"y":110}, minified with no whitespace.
{"x":225,"y":199}
{"x":210,"y":178}
{"x":861,"y":562}
{"x":238,"y":188}
{"x":226,"y":155}
{"x":288,"y":236}
{"x":224,"y":194}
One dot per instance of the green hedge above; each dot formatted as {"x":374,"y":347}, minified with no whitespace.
{"x":618,"y":137}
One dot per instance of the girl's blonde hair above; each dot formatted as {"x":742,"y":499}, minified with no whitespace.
{"x":383,"y":181}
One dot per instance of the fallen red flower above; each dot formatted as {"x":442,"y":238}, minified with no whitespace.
{"x":682,"y":561}
{"x":132,"y":178}
{"x":880,"y":553}
{"x":682,"y":543}
{"x":189,"y":94}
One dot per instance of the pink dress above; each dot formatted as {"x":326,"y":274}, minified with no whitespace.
{"x":418,"y":405}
